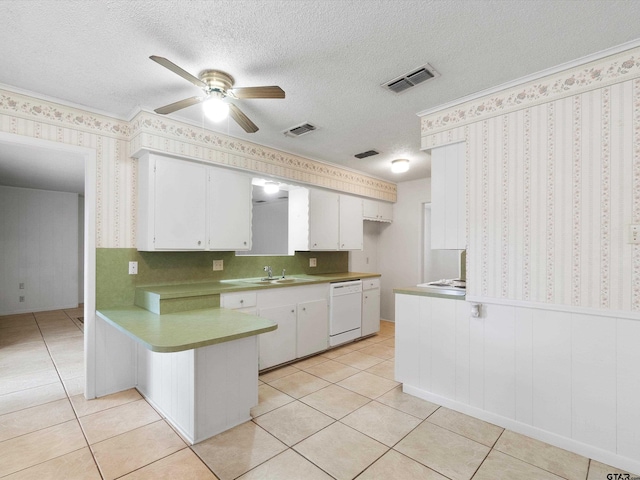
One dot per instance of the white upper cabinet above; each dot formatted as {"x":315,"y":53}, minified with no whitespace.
{"x":229,"y":217}
{"x":322,"y":220}
{"x":324,"y":228}
{"x":350,"y":223}
{"x":377,"y":210}
{"x":448,"y":209}
{"x":185,"y":205}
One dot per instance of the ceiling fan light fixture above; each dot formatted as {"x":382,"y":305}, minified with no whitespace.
{"x":271,"y":187}
{"x":215,"y":109}
{"x":400,"y":165}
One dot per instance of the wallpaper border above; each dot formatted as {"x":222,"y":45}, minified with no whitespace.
{"x":166,"y":135}
{"x":597,"y":74}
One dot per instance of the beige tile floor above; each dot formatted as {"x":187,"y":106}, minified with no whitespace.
{"x":337,"y":415}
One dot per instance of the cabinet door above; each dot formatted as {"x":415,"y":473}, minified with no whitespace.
{"x":278,"y":346}
{"x":313,"y":327}
{"x":370,"y":311}
{"x":385,"y":211}
{"x":229,"y":214}
{"x":370,"y":209}
{"x":448,"y":209}
{"x":351,"y":226}
{"x":179,"y":205}
{"x":323,"y":220}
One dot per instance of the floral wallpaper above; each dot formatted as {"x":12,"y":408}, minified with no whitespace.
{"x":553,"y":183}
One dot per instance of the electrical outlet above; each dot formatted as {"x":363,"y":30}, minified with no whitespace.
{"x":21,"y":298}
{"x":218,"y":265}
{"x":313,"y":262}
{"x":21,"y":286}
{"x":634,"y":234}
{"x":133,"y":268}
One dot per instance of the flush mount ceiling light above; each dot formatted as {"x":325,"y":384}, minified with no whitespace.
{"x":271,"y":187}
{"x":400,"y":165}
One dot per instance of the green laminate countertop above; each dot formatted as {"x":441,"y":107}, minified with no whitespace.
{"x":175,"y":332}
{"x":429,"y":292}
{"x":242,"y":284}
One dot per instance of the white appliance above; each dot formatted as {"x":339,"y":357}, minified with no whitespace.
{"x":345,"y":312}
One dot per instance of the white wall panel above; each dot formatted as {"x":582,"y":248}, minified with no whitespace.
{"x":423,"y":336}
{"x":524,"y":364}
{"x":462,"y":362}
{"x":593,"y":380}
{"x":407,"y":361}
{"x":552,"y":371}
{"x":442,"y":347}
{"x":476,"y":361}
{"x":628,"y":388}
{"x":499,"y":365}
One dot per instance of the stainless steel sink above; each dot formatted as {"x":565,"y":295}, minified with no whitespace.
{"x":276,"y":281}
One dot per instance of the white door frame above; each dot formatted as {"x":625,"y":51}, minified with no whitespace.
{"x":89,"y":156}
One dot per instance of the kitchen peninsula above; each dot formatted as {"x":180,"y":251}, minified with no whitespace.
{"x":196,"y":362}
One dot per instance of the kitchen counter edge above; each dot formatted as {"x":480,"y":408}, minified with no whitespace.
{"x":426,"y":292}
{"x":175,"y":332}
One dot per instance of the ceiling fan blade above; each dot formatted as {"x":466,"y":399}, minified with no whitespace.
{"x":176,"y":69}
{"x":242,"y":120}
{"x":258,"y":92}
{"x":187,"y":102}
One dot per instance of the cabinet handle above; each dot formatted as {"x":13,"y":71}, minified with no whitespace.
{"x":315,"y":244}
{"x":245,"y":243}
{"x":241,"y":301}
{"x":342,"y":245}
{"x":292,"y":311}
{"x":199,"y":242}
{"x":304,"y":309}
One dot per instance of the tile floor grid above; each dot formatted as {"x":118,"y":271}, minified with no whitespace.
{"x":308,"y":412}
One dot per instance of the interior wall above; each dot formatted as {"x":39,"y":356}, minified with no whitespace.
{"x":366,"y":260}
{"x":400,"y":243}
{"x":39,"y":249}
{"x":80,"y":248}
{"x":269,"y":228}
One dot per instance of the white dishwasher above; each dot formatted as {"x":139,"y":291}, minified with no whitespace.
{"x":345,"y":312}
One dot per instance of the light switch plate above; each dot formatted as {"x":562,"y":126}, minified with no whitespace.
{"x":313,"y":262}
{"x":218,"y":265}
{"x":133,"y":268}
{"x":634,"y":234}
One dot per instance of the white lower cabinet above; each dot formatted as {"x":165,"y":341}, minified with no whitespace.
{"x":370,"y":311}
{"x":278,"y":346}
{"x":303,"y":326}
{"x":313,"y":327}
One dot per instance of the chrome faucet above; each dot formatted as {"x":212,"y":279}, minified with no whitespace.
{"x":269,"y":272}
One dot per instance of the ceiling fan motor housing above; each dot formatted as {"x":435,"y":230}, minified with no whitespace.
{"x":216,"y":80}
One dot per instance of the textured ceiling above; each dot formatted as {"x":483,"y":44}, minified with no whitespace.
{"x":329,"y":56}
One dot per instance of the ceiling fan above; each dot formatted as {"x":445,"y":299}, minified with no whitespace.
{"x":217,"y":86}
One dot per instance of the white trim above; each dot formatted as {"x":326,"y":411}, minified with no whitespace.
{"x":555,"y":307}
{"x":89,"y":156}
{"x":532,"y":77}
{"x":580,"y":448}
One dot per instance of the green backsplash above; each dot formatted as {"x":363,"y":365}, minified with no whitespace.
{"x":115,"y":287}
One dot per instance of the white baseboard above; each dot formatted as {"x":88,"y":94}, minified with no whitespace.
{"x":604,"y":456}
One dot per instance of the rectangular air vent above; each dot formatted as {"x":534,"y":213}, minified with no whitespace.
{"x":300,"y":130}
{"x":411,"y":79}
{"x":368,"y":153}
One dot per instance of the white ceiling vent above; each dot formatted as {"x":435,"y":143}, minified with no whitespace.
{"x":411,"y":79}
{"x":300,"y":130}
